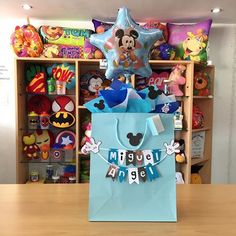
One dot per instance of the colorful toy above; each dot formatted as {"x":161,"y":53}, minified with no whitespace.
{"x":44,"y":140}
{"x":91,"y":52}
{"x":158,"y":79}
{"x":167,"y":52}
{"x":30,"y":148}
{"x":90,"y":84}
{"x":190,"y":40}
{"x":201,"y":83}
{"x":180,"y":157}
{"x":126,"y":46}
{"x":51,"y":83}
{"x":26,"y":41}
{"x":44,"y":120}
{"x":87,"y":134}
{"x":65,"y":138}
{"x":63,"y":108}
{"x":63,"y":72}
{"x":31,"y":70}
{"x":34,"y":176}
{"x":57,"y":153}
{"x":195,"y":176}
{"x":37,"y":84}
{"x":39,"y":104}
{"x":62,"y":51}
{"x":100,"y":26}
{"x":33,"y":120}
{"x":176,"y":79}
{"x":197,"y":118}
{"x":65,"y":36}
{"x":178,"y":119}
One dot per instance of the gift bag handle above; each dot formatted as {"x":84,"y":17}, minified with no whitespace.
{"x":124,"y":146}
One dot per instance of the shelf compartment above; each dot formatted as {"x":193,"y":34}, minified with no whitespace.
{"x":202,"y":129}
{"x":195,"y":161}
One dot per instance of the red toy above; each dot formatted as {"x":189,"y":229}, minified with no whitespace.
{"x":198,"y":118}
{"x":63,"y":108}
{"x":37,"y":84}
{"x":39,"y":104}
{"x":87,"y":133}
{"x":30,"y":148}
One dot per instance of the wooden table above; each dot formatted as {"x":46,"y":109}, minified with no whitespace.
{"x":57,"y":210}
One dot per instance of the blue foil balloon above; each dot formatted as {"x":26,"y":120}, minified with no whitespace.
{"x":126,"y":46}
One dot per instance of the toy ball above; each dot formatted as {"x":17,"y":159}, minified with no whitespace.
{"x":167,"y":52}
{"x":201,"y":84}
{"x":26,"y":41}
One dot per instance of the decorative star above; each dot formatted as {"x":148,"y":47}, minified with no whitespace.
{"x":126,"y":46}
{"x":66,"y":140}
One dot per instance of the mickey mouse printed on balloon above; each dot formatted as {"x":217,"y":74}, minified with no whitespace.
{"x":126,"y":46}
{"x":63,"y":108}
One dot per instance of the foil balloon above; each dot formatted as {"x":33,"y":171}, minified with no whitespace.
{"x":126,"y":46}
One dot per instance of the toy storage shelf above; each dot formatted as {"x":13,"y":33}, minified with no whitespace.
{"x":81,"y":66}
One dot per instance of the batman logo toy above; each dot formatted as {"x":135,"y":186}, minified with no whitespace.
{"x":62,"y":119}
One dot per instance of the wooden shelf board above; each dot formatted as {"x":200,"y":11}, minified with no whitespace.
{"x":81,"y":107}
{"x":195,"y":161}
{"x":203,"y":129}
{"x":203,"y":97}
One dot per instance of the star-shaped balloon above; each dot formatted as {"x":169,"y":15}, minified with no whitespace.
{"x":126,"y":46}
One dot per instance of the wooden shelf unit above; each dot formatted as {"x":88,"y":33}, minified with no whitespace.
{"x":81,"y":67}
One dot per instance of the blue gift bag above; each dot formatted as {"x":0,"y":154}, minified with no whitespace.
{"x":132,"y":174}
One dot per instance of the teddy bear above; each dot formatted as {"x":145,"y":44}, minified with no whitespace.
{"x":201,"y":84}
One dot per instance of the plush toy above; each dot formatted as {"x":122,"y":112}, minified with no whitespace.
{"x":167,"y":52}
{"x":201,"y":84}
{"x":90,"y":84}
{"x":190,"y":40}
{"x":87,"y":134}
{"x":26,"y":41}
{"x":38,"y":84}
{"x":44,"y":140}
{"x":65,"y":36}
{"x":197,"y":118}
{"x":195,"y":176}
{"x":180,"y":157}
{"x":39,"y":104}
{"x":30,"y":148}
{"x":31,"y":70}
{"x":158,"y":79}
{"x":63,"y":108}
{"x":179,"y":178}
{"x":176,"y":79}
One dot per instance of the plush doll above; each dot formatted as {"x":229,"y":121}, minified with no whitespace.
{"x":201,"y":84}
{"x":176,"y":79}
{"x":30,"y":148}
{"x":87,"y":134}
{"x":195,"y":176}
{"x":179,"y":178}
{"x":180,"y":157}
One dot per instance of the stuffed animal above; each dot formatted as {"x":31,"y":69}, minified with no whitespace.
{"x":30,"y":148}
{"x":87,"y":134}
{"x":176,"y":79}
{"x":195,"y":176}
{"x":201,"y":84}
{"x":180,"y":157}
{"x":179,"y":178}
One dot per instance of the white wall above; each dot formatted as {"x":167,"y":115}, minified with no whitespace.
{"x":222,"y":47}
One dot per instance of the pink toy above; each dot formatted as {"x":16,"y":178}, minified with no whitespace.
{"x":87,"y":133}
{"x":176,"y":79}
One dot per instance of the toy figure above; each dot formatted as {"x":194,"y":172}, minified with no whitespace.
{"x":195,"y":176}
{"x":179,"y":178}
{"x":176,"y":79}
{"x":180,"y":157}
{"x":201,"y":84}
{"x":30,"y":148}
{"x":178,"y":119}
{"x":87,"y":133}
